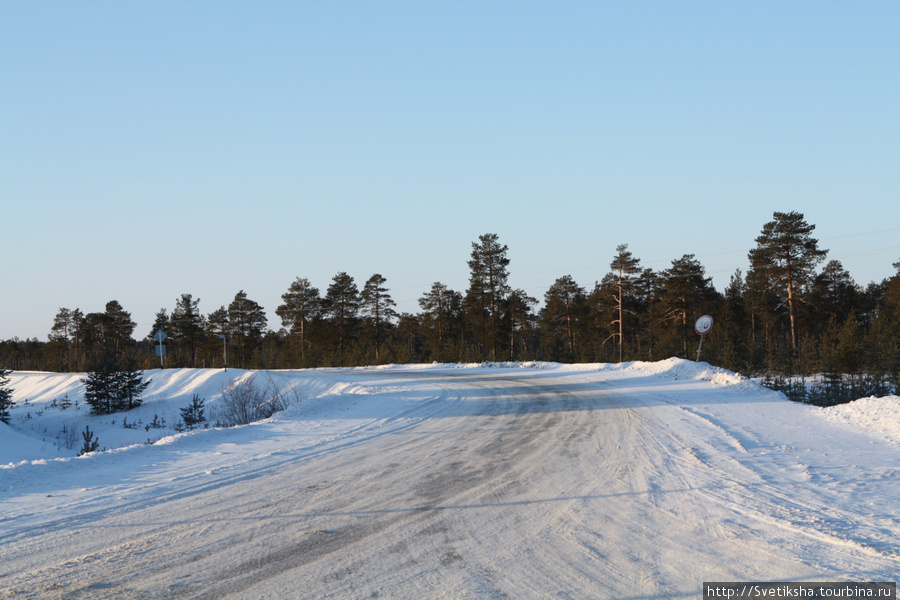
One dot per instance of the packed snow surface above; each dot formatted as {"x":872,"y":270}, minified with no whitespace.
{"x":520,"y":480}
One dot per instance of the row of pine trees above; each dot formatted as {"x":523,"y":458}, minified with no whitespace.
{"x":789,"y":314}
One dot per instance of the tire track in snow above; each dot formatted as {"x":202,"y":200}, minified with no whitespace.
{"x":466,"y":457}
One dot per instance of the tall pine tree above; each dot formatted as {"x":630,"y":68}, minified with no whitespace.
{"x":625,"y":267}
{"x":442,"y":308}
{"x":119,"y":325}
{"x":63,"y":331}
{"x":342,"y":306}
{"x":301,"y":305}
{"x":565,"y":304}
{"x":785,"y":257}
{"x":246,"y":323}
{"x":377,"y":306}
{"x":523,"y":324}
{"x":488,"y":289}
{"x":187,"y":327}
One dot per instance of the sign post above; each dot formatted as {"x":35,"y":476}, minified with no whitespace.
{"x":702,"y":327}
{"x":159,"y":336}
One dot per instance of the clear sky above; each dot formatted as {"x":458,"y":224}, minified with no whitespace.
{"x":150,"y":149}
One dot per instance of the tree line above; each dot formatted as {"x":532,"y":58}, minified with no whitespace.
{"x":788,"y":314}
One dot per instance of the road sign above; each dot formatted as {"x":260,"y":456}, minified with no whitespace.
{"x":159,"y":336}
{"x":704,"y":325}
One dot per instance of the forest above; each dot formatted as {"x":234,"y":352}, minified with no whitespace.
{"x":791,"y":314}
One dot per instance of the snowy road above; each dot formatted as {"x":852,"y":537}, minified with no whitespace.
{"x":484,"y":483}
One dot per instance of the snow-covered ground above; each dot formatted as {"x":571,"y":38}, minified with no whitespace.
{"x":535,"y":480}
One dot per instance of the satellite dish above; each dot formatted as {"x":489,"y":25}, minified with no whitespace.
{"x":703,"y":325}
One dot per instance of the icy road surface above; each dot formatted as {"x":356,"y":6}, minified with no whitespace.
{"x":638,"y":481}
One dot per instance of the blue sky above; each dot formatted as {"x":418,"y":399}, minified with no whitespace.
{"x":150,"y":149}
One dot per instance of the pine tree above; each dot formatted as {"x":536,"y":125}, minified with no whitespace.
{"x":890,"y":297}
{"x":217,"y":329}
{"x":187,"y":326}
{"x":130,"y":385}
{"x":112,"y":385}
{"x":217,"y":321}
{"x":408,"y":328}
{"x":193,"y":415}
{"x":109,"y":329}
{"x":6,"y":401}
{"x":684,"y":292}
{"x":488,"y":288}
{"x":341,"y":304}
{"x":625,"y":266}
{"x":647,"y":290}
{"x":100,"y":383}
{"x":735,"y":321}
{"x":564,"y":305}
{"x":784,"y":258}
{"x":519,"y":308}
{"x":377,"y":306}
{"x":301,"y":305}
{"x":442,"y":310}
{"x":246,"y":322}
{"x":883,"y":348}
{"x":63,"y":330}
{"x":77,"y":344}
{"x":834,"y":294}
{"x":93,"y":334}
{"x":91,"y":444}
{"x":245,"y":317}
{"x":119,"y":324}
{"x":160,"y":323}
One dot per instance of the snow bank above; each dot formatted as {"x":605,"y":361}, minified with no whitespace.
{"x":39,"y":387}
{"x":50,"y":413}
{"x":16,"y":447}
{"x":533,"y":364}
{"x":880,"y":416}
{"x":679,"y":369}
